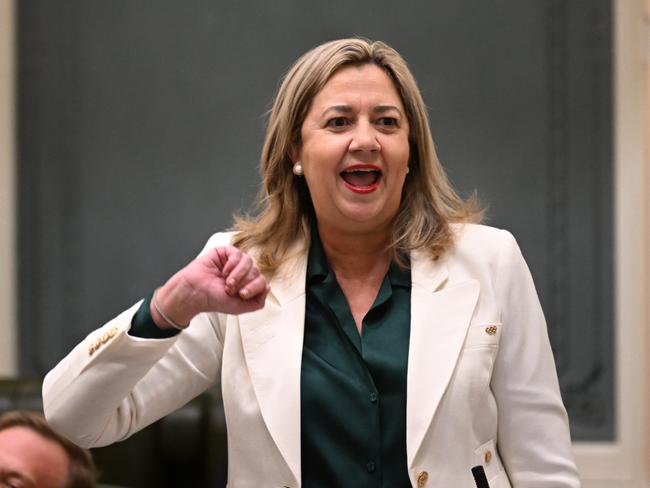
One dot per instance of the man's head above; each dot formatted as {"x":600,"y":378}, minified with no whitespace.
{"x":32,"y":455}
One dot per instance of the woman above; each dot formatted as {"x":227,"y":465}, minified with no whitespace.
{"x":364,"y":332}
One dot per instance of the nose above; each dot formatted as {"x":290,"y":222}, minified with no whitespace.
{"x":364,"y":138}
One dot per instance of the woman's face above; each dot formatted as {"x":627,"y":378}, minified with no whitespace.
{"x":355,"y":150}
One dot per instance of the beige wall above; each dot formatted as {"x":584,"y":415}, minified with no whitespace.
{"x":7,"y":192}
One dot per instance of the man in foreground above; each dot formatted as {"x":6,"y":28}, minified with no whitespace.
{"x":32,"y":455}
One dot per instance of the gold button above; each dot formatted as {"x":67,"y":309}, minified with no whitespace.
{"x":491,"y":330}
{"x":422,"y":479}
{"x":112,"y":332}
{"x":91,"y":350}
{"x":488,"y":456}
{"x":105,"y":338}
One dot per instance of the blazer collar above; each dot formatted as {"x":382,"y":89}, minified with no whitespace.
{"x":288,"y":282}
{"x":427,"y":273}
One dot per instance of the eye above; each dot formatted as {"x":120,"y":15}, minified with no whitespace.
{"x":337,"y":122}
{"x":387,"y":121}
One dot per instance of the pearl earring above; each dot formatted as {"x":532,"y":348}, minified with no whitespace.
{"x":408,"y":170}
{"x":297,"y":169}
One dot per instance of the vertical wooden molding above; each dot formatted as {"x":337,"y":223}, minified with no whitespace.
{"x":647,"y":229}
{"x":8,"y":346}
{"x":623,"y":463}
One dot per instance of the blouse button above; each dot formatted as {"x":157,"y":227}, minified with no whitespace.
{"x":370,"y":466}
{"x":373,"y":397}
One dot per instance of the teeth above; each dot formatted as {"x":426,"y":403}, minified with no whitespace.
{"x":364,"y":170}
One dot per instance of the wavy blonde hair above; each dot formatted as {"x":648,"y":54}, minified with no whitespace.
{"x":284,"y":208}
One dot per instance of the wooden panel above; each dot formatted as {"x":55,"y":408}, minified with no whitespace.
{"x":8,"y":340}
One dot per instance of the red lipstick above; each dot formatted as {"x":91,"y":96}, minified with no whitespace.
{"x":361,"y":178}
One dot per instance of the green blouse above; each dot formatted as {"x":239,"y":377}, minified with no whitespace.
{"x":353,"y":387}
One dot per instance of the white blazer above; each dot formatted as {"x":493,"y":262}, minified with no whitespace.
{"x":481,"y":390}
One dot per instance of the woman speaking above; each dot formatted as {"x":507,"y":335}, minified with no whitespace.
{"x":365,"y":330}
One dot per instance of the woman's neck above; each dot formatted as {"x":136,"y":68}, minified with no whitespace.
{"x":356,"y":255}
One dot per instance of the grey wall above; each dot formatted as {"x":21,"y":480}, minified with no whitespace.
{"x":140,"y":125}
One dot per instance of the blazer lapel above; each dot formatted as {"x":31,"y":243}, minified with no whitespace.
{"x":440,"y":315}
{"x":272,"y":340}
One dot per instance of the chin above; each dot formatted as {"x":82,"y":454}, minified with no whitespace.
{"x":377,"y":211}
{"x":357,"y":222}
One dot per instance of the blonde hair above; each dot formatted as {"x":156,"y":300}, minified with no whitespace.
{"x":429,"y":203}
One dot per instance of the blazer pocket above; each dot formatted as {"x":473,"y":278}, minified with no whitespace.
{"x":486,"y":455}
{"x":483,"y":335}
{"x":476,"y":359}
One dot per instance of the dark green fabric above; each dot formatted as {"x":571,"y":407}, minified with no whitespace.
{"x":353,"y":387}
{"x":142,"y":324}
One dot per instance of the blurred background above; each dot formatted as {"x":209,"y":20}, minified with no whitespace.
{"x":131,"y":131}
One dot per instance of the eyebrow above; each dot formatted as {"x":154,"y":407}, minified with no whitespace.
{"x":380,"y":109}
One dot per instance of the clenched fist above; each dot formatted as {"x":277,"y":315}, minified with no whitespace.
{"x":223,"y":280}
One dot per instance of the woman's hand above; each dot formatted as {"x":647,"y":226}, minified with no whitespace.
{"x":223,"y":280}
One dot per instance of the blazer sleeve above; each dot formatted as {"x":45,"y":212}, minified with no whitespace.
{"x":113,"y":384}
{"x":533,"y":429}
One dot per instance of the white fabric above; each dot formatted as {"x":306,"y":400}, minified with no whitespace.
{"x":469,"y":391}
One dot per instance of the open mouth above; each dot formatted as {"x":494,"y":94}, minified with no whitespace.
{"x":361,"y":178}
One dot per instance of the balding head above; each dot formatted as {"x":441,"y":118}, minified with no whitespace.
{"x":32,"y":455}
{"x":27,"y":459}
